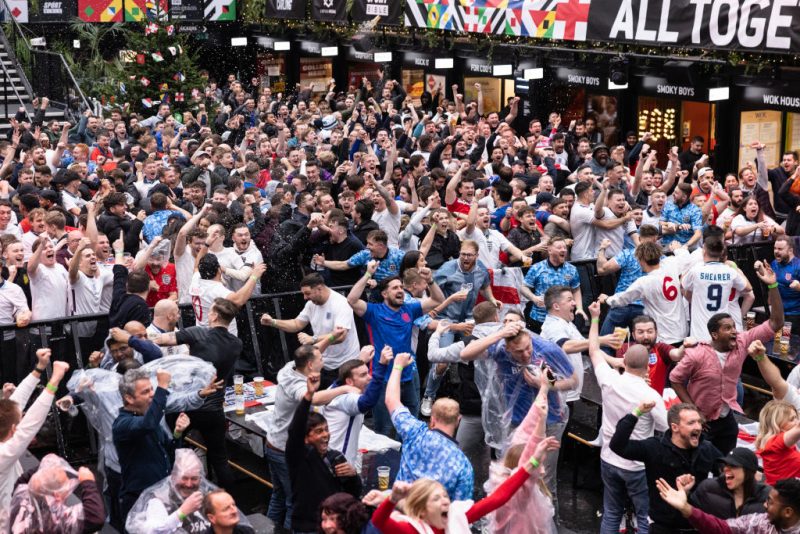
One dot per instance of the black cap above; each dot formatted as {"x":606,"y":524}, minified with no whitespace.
{"x":741,"y":457}
{"x":27,"y":189}
{"x":599,"y":146}
{"x":544,"y":198}
{"x":49,"y":194}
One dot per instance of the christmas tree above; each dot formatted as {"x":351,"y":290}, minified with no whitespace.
{"x":159,"y":66}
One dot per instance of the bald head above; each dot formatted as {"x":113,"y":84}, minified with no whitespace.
{"x":164,"y":308}
{"x":637,"y":358}
{"x":136,"y":329}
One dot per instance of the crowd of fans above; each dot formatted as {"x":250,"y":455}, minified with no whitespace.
{"x":460,"y":232}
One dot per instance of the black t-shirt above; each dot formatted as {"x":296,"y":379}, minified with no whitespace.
{"x":342,"y":252}
{"x":218,"y":347}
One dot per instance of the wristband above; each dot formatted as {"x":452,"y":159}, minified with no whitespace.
{"x":51,"y":388}
{"x":637,"y":412}
{"x":772,"y":285}
{"x":368,"y":275}
{"x":39,"y":370}
{"x":759,"y":358}
{"x":177,"y":435}
{"x":181,"y":516}
{"x":399,"y":367}
{"x":331,"y":338}
{"x":254,"y":278}
{"x":595,"y":320}
{"x":534,"y":462}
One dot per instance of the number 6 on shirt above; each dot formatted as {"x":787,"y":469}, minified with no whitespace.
{"x":670,"y":289}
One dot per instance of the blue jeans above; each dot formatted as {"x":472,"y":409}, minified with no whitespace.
{"x":433,"y":381}
{"x":621,"y":317}
{"x":409,"y":396}
{"x":619,"y":484}
{"x":280,"y":504}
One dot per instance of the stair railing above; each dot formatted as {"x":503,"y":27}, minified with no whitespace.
{"x":48,"y":73}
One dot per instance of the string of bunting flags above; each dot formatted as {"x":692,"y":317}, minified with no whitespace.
{"x":745,"y":25}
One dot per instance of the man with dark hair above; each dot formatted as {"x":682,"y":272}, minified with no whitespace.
{"x":707,"y":375}
{"x":686,"y":219}
{"x":782,"y":512}
{"x":115,"y":219}
{"x":388,"y":258}
{"x":391,"y":323}
{"x":341,"y":245}
{"x":207,"y":287}
{"x":326,"y":311}
{"x":689,"y":157}
{"x":709,"y":287}
{"x":345,"y":413}
{"x":644,"y":332}
{"x":129,"y":297}
{"x":787,"y":271}
{"x":779,"y":176}
{"x":581,"y":222}
{"x":681,"y":453}
{"x":612,"y":220}
{"x":363,"y":224}
{"x":658,"y":289}
{"x":316,"y":471}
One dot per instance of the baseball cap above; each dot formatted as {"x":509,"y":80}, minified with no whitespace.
{"x":544,"y":198}
{"x":741,"y":457}
{"x":201,"y":153}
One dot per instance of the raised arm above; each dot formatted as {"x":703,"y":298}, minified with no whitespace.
{"x":183,"y":233}
{"x":36,"y":257}
{"x":767,"y":275}
{"x":144,"y":257}
{"x":354,"y":297}
{"x":392,"y":397}
{"x":241,"y":296}
{"x":478,"y":347}
{"x":769,"y":371}
{"x":75,"y":260}
{"x":452,"y":185}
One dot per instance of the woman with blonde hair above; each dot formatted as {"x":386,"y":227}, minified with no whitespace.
{"x":529,"y":510}
{"x":776,"y":443}
{"x":428,"y":509}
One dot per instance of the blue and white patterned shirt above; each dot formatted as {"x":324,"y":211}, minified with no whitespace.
{"x":688,"y":214}
{"x":451,"y":278}
{"x":544,"y":275}
{"x":629,"y":271}
{"x":432,"y":454}
{"x":388,"y":266}
{"x":154,"y":224}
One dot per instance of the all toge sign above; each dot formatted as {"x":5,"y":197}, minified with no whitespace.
{"x":772,"y":25}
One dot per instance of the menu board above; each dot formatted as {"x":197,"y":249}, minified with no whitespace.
{"x":792,"y":132}
{"x":765,"y":127}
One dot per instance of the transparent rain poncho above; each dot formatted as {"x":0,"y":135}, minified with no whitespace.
{"x":529,"y":510}
{"x":151,"y":514}
{"x":41,"y":504}
{"x":496,"y":409}
{"x":99,"y":389}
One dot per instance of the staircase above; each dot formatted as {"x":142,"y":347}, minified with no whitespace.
{"x":50,"y":78}
{"x":14,"y":93}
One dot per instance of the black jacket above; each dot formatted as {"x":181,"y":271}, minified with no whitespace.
{"x":361,"y":231}
{"x":712,"y":497}
{"x":124,"y":306}
{"x":312,"y":475}
{"x":283,"y":248}
{"x":792,"y":201}
{"x":663,"y":459}
{"x":111,"y":225}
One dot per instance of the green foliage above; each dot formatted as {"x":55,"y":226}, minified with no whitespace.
{"x":117,"y":81}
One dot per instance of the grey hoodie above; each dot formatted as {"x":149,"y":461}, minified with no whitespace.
{"x":291,"y":388}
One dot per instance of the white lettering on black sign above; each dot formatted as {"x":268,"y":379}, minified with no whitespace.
{"x":782,"y":100}
{"x":378,"y":8}
{"x":675,"y":90}
{"x":583,"y":80}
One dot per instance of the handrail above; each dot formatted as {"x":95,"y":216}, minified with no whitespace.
{"x":20,"y":35}
{"x":14,"y":87}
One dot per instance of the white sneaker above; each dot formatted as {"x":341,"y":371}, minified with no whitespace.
{"x":425,"y":407}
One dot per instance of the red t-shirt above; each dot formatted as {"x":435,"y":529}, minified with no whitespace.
{"x":459,"y":206}
{"x":780,"y":461}
{"x":658,"y":365}
{"x":166,"y":281}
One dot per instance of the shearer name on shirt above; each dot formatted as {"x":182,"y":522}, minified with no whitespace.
{"x":715,"y":277}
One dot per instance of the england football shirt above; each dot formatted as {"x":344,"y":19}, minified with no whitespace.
{"x":711,"y":284}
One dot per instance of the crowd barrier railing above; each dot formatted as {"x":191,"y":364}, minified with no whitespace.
{"x":268,"y":349}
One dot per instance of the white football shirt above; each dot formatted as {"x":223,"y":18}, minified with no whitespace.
{"x":711,"y":285}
